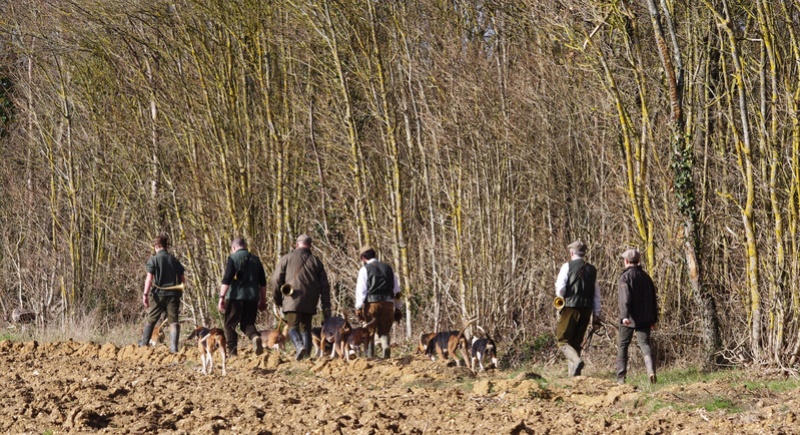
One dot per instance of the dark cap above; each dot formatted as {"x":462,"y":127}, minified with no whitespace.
{"x":632,"y":255}
{"x":577,"y":247}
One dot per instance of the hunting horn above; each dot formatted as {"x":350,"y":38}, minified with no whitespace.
{"x":179,"y":287}
{"x":287,"y":289}
{"x":558,"y":302}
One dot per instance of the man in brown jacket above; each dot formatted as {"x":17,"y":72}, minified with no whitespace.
{"x":309,"y":282}
{"x":638,"y":312}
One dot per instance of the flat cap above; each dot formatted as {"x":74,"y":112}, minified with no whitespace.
{"x":632,"y":255}
{"x":304,"y":239}
{"x":577,"y":246}
{"x":364,"y":249}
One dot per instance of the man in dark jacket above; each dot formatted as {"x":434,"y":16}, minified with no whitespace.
{"x":309,"y":283}
{"x":164,"y":277}
{"x":638,"y":312}
{"x":242,"y":294}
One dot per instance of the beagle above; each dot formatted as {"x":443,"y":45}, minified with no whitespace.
{"x":207,"y":341}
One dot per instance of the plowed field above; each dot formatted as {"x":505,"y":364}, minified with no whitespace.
{"x":71,"y":387}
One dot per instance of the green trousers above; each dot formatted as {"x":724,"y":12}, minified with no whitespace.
{"x":572,"y":326}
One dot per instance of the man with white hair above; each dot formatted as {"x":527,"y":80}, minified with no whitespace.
{"x":638,"y":312}
{"x":577,"y":284}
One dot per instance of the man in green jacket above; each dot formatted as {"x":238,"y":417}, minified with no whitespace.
{"x":242,"y":294}
{"x":308,"y":282}
{"x":163,"y":291}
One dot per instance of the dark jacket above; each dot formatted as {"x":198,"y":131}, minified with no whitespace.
{"x":581,"y":282}
{"x":637,"y":298}
{"x":245,"y":275}
{"x":307,"y":276}
{"x":380,"y":282}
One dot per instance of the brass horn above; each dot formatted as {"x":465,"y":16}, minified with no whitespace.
{"x":559,"y":302}
{"x":287,"y":289}
{"x":179,"y":287}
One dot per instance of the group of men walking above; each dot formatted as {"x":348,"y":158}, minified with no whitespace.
{"x":298,"y":285}
{"x":638,"y":309}
{"x":300,"y":282}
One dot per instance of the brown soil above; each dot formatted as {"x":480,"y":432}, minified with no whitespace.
{"x":85,"y":387}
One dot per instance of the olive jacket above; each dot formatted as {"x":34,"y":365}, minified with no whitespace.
{"x":307,"y":276}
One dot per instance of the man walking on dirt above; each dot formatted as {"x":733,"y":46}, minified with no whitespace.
{"x":242,"y":294}
{"x":638,"y":312}
{"x":577,"y":284}
{"x":376,"y":291}
{"x":164,"y":274}
{"x":307,"y":284}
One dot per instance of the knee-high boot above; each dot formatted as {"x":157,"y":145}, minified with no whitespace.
{"x":307,"y":343}
{"x":650,"y":365}
{"x":297,"y":340}
{"x":147,"y":334}
{"x":370,"y":350}
{"x":385,"y":347}
{"x":572,"y":356}
{"x":622,"y":368}
{"x":174,"y":336}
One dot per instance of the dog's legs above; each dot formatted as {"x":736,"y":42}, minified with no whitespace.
{"x":463,"y":354}
{"x":222,"y":353}
{"x":210,"y":361}
{"x":203,"y":360}
{"x":480,"y":360}
{"x":333,"y":350}
{"x":439,"y":352}
{"x":451,"y":352}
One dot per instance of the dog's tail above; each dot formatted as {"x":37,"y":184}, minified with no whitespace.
{"x":374,"y":319}
{"x":461,"y":332}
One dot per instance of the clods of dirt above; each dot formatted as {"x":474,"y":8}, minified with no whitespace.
{"x":89,"y":387}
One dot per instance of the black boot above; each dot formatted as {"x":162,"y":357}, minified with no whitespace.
{"x":174,"y":336}
{"x":307,"y":343}
{"x":148,"y":332}
{"x":370,"y":350}
{"x":386,"y":350}
{"x":297,"y":340}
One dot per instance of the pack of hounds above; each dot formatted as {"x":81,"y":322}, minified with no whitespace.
{"x":346,"y":341}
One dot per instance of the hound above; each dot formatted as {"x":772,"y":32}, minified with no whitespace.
{"x":274,"y":338}
{"x":207,"y":341}
{"x":444,"y":344}
{"x":335,"y":330}
{"x":359,"y":338}
{"x":158,"y":335}
{"x":482,"y":348}
{"x":424,"y":339}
